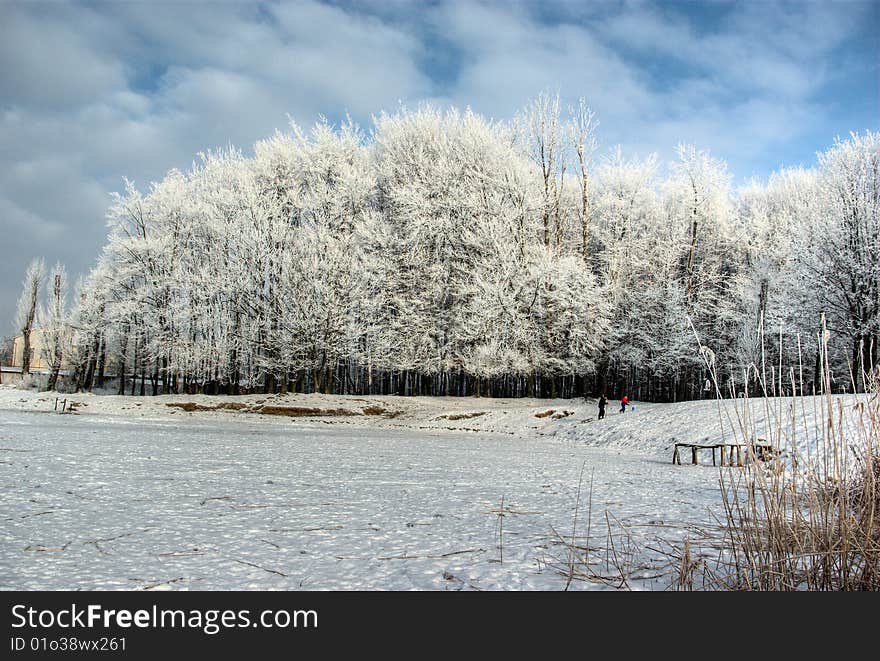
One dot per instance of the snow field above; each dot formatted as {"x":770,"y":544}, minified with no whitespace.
{"x":132,"y":494}
{"x":96,"y":502}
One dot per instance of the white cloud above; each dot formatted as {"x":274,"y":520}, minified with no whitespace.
{"x":46,"y":65}
{"x":134,"y":89}
{"x":741,"y":88}
{"x":89,"y":94}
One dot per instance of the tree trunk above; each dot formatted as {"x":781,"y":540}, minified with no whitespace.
{"x":692,"y":251}
{"x":134,"y":364}
{"x":102,"y":359}
{"x":93,"y":360}
{"x":53,"y":376}
{"x":120,"y":368}
{"x":28,"y":326}
{"x":154,"y":378}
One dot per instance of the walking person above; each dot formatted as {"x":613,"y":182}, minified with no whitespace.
{"x":603,"y":402}
{"x":623,"y":402}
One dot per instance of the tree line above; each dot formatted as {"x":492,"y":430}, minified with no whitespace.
{"x":444,"y":254}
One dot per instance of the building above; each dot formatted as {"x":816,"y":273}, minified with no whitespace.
{"x":38,"y":362}
{"x":11,"y":374}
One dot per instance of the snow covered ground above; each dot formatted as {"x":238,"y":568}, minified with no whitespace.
{"x":421,"y":493}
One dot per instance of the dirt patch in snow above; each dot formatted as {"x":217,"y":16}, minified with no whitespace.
{"x":374,"y":410}
{"x":285,"y":411}
{"x":554,"y":414}
{"x":192,"y":406}
{"x":303,"y":411}
{"x":460,"y":416}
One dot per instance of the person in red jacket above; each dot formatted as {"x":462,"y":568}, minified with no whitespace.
{"x":623,"y":403}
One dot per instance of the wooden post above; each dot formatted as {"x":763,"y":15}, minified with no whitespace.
{"x":739,"y":461}
{"x":694,"y":456}
{"x":723,"y":453}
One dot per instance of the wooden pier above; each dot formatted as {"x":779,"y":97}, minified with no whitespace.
{"x":731,"y":453}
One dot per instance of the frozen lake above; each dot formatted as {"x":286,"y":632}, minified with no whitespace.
{"x":102,"y":502}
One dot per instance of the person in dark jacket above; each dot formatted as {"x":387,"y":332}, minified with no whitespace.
{"x":603,"y":402}
{"x":623,"y":402}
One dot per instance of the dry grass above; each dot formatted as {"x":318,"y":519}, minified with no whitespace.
{"x":808,"y":519}
{"x":612,"y":558}
{"x":810,"y":523}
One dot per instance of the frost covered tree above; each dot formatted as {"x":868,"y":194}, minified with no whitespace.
{"x":582,"y":127}
{"x":53,"y":324}
{"x":837,"y":262}
{"x":6,"y":346}
{"x":439,"y":192}
{"x":698,"y":208}
{"x":442,"y":253}
{"x":88,"y":323}
{"x":321,"y":326}
{"x":776,"y":315}
{"x":649,"y":341}
{"x":542,"y":135}
{"x":27,"y":308}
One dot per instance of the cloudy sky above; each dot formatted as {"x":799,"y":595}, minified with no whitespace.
{"x":93,"y":92}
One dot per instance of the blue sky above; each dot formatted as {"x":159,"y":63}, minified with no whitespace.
{"x":93,"y":92}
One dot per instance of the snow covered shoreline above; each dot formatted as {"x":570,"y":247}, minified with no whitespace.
{"x":645,"y":427}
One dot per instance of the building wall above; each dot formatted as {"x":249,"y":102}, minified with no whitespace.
{"x":37,"y":361}
{"x":36,"y":355}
